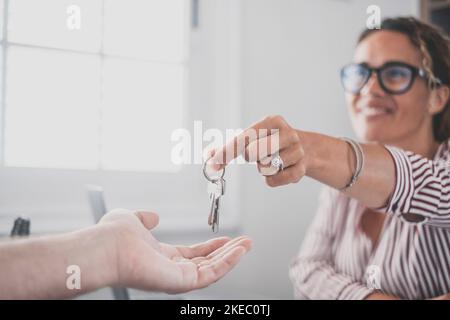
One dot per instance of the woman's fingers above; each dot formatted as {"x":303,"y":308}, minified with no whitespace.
{"x":260,"y":143}
{"x":272,"y":144}
{"x":290,"y":157}
{"x":292,"y":174}
{"x":238,"y":145}
{"x":443,"y":297}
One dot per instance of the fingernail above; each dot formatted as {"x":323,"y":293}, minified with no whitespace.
{"x":213,"y":164}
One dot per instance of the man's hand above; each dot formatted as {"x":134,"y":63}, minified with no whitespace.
{"x":144,"y":263}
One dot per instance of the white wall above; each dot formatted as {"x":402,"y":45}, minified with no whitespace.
{"x":292,"y":51}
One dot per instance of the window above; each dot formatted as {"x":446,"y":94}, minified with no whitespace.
{"x":98,"y":105}
{"x":98,"y":94}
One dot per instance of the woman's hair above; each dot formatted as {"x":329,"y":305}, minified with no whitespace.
{"x":434,"y":46}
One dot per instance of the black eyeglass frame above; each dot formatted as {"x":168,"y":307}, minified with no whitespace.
{"x":414,"y":73}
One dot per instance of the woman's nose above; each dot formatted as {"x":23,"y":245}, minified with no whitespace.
{"x":373,"y":86}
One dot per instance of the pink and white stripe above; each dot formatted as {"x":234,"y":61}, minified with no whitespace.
{"x":413,"y":257}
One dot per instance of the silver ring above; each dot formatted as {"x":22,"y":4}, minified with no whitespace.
{"x":208,"y":177}
{"x":277,"y":163}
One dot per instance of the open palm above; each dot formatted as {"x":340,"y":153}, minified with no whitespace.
{"x":145,"y":263}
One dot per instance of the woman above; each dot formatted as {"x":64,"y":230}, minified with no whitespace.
{"x":382,"y":230}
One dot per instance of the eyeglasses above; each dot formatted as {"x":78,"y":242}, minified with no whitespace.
{"x":394,"y":77}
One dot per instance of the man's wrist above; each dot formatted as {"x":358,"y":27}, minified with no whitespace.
{"x":98,"y":257}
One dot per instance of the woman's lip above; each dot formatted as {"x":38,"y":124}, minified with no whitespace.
{"x":377,"y":105}
{"x":374,"y":112}
{"x":375,"y":116}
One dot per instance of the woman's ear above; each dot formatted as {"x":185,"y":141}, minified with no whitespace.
{"x":438,"y":99}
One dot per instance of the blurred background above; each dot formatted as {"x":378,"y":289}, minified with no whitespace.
{"x":92,"y":90}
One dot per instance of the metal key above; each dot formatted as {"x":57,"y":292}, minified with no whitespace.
{"x":216,"y":190}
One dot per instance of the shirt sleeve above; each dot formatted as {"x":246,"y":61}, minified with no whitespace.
{"x":422,"y":189}
{"x":312,"y":272}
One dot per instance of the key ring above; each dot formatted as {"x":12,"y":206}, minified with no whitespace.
{"x":208,"y":177}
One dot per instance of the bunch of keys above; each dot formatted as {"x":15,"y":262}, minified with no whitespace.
{"x":216,"y":189}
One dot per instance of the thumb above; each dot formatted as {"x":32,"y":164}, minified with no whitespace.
{"x":149,"y":219}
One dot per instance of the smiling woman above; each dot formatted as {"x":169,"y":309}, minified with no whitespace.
{"x":405,"y":104}
{"x":423,"y":53}
{"x":382,"y":230}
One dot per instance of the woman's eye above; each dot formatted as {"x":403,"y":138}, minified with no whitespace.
{"x":357,"y":73}
{"x":396,"y":74}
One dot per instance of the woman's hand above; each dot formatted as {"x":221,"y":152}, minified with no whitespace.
{"x":144,"y":263}
{"x":376,"y":295}
{"x":323,"y":158}
{"x":260,"y":143}
{"x":443,"y":297}
{"x":381,"y":296}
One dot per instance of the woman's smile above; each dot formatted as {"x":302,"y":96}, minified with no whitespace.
{"x":374,"y":109}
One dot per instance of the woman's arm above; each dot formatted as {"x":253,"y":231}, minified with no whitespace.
{"x":332,"y":161}
{"x":399,"y":182}
{"x":324,"y":158}
{"x":405,"y":184}
{"x":376,"y":295}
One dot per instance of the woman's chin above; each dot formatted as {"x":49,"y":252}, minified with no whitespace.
{"x":379,"y":128}
{"x":372,"y":134}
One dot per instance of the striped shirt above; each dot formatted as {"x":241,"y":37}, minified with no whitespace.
{"x":411,"y":260}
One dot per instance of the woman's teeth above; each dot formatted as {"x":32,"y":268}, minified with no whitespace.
{"x":373,"y":111}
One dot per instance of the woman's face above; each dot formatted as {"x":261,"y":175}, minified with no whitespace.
{"x":380,"y":116}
